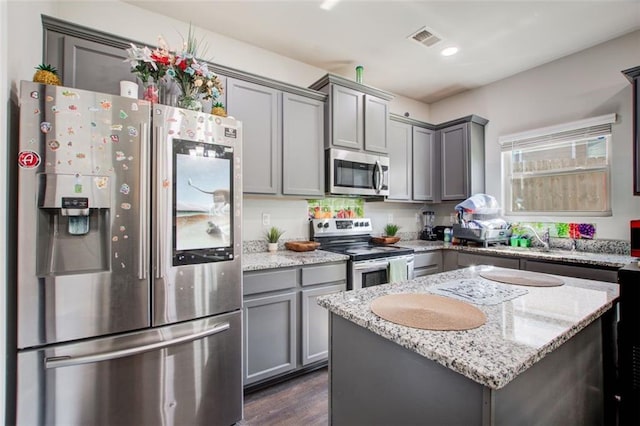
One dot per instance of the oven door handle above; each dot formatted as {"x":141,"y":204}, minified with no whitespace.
{"x":370,"y":266}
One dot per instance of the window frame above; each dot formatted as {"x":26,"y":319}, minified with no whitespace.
{"x":550,"y":137}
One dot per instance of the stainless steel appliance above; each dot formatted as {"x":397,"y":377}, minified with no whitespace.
{"x":428,"y":218}
{"x":357,"y":173}
{"x":129,"y":270}
{"x":369,"y":264}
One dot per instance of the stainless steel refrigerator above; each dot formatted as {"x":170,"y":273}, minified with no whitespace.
{"x":129,"y":262}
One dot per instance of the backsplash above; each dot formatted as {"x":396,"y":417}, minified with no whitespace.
{"x":557,"y":229}
{"x":339,"y":208}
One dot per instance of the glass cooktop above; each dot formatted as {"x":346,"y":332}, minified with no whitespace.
{"x":370,"y":251}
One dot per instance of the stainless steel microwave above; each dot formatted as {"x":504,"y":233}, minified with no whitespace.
{"x":357,"y":173}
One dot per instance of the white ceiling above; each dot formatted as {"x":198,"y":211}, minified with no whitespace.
{"x":496,"y":38}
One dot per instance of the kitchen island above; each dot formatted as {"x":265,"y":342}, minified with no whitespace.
{"x":541,"y":358}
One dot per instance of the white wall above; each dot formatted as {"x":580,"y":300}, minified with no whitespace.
{"x":291,"y":215}
{"x":132,"y":22}
{"x":582,"y":85}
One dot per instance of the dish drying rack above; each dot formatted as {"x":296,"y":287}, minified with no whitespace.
{"x":486,"y":226}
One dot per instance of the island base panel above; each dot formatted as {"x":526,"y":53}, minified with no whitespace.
{"x":376,"y":381}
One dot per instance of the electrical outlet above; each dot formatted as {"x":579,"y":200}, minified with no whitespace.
{"x":266,"y":219}
{"x":390,"y":218}
{"x":418,"y":220}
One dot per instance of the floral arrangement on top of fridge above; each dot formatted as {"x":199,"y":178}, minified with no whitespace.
{"x":162,"y":69}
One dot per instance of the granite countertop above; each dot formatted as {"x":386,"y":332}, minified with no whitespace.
{"x":518,"y":333}
{"x":285,"y":258}
{"x":577,"y":257}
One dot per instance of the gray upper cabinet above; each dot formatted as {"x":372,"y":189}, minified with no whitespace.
{"x":426,"y":167}
{"x":376,"y":124}
{"x":400,"y":161}
{"x":462,"y":157}
{"x":302,"y":146}
{"x":91,"y":66}
{"x":347,"y":118}
{"x":283,"y":125}
{"x":258,"y":108}
{"x":87,"y":64}
{"x":413,"y":161}
{"x":283,"y":139}
{"x":357,"y":116}
{"x":453,"y":143}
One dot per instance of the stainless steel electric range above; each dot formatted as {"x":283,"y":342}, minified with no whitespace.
{"x":369,"y":264}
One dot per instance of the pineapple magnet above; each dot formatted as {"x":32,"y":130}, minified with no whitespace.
{"x":47,"y":74}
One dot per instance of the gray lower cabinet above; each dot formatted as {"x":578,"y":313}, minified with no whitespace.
{"x":471,"y":259}
{"x":462,"y":157}
{"x":269,"y":336}
{"x":270,"y":309}
{"x":284,"y":328}
{"x":577,"y":271}
{"x":449,"y":260}
{"x":302,"y":146}
{"x":315,"y":324}
{"x":458,"y":259}
{"x":427,"y":263}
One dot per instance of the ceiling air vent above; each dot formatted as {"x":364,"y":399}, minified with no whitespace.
{"x":425,"y":37}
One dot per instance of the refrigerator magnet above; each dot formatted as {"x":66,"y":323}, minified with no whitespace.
{"x":28,"y":159}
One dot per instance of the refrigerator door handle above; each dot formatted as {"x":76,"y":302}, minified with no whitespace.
{"x":66,"y":361}
{"x":159,"y":203}
{"x":143,"y":242}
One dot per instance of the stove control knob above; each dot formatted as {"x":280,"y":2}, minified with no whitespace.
{"x":319,"y":225}
{"x":326,"y":224}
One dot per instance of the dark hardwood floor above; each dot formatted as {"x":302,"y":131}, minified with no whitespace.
{"x":300,"y":401}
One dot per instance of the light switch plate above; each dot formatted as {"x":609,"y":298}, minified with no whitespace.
{"x":266,"y":219}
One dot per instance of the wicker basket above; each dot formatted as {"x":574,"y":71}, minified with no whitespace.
{"x":301,"y":245}
{"x":385,"y":240}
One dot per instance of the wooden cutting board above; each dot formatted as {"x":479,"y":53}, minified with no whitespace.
{"x":528,"y":278}
{"x":428,"y":312}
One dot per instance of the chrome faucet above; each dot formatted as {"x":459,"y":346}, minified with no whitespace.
{"x":544,"y":240}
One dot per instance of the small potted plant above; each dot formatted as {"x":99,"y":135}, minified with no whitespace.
{"x":272,"y":236}
{"x":389,"y":236}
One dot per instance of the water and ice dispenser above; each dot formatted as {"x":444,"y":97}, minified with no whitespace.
{"x":73,"y":224}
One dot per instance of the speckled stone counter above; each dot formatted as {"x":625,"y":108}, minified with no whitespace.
{"x":518,"y":333}
{"x":576,"y":257}
{"x":544,"y":357}
{"x":285,"y":258}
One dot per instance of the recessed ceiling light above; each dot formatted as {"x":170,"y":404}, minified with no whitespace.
{"x":449,"y":51}
{"x":328,"y":4}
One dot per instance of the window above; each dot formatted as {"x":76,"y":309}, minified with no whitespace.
{"x":559,"y":170}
